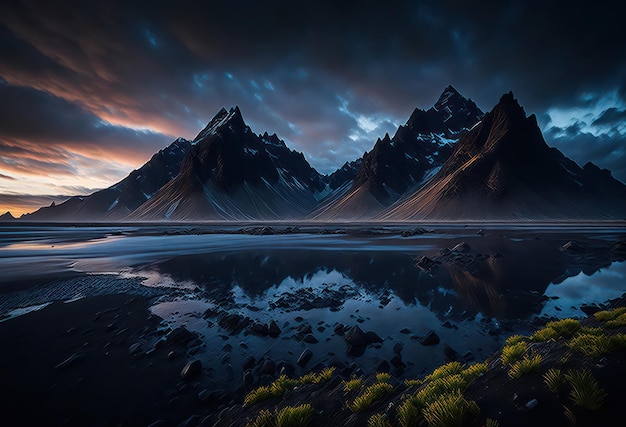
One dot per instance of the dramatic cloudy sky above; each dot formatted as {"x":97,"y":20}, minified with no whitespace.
{"x":89,"y":90}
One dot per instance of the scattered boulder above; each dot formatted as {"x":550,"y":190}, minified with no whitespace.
{"x":397,"y":348}
{"x":383,"y":366}
{"x":273,"y":330}
{"x":461,"y":247}
{"x":450,"y":353}
{"x":268,"y":367}
{"x":405,"y":331}
{"x":135,"y":348}
{"x":431,"y":338}
{"x":373,"y":337}
{"x":248,"y":379}
{"x":248,"y":363}
{"x":532,"y":404}
{"x":356,"y":337}
{"x":397,"y":362}
{"x":304,"y":358}
{"x":192,"y":369}
{"x":70,"y":361}
{"x":180,"y":336}
{"x":426,"y":264}
{"x":310,"y":339}
{"x":589,"y":310}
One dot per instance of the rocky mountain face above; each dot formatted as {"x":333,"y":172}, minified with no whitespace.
{"x":231,"y":173}
{"x":450,"y":162}
{"x":119,"y":200}
{"x":502,"y":169}
{"x":405,"y":161}
{"x":7,"y":216}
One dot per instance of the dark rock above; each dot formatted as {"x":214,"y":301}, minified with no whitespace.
{"x":192,"y":421}
{"x":192,"y":369}
{"x":233,"y":323}
{"x":298,"y":319}
{"x":532,"y":404}
{"x":383,"y":366}
{"x":204,"y":395}
{"x":70,"y":361}
{"x":135,"y":348}
{"x":574,"y":247}
{"x":158,"y":423}
{"x":589,"y":310}
{"x":481,"y":232}
{"x":273,"y":329}
{"x":450,"y":353}
{"x":340,"y":329}
{"x":461,"y":247}
{"x":373,"y":337}
{"x":180,"y":336}
{"x":426,"y":264}
{"x":248,"y":363}
{"x":405,"y":331}
{"x":397,"y":348}
{"x":171,"y":355}
{"x":468,"y":356}
{"x":248,"y":379}
{"x":431,"y":338}
{"x":447,"y":324}
{"x":285,"y":368}
{"x":356,"y":337}
{"x":355,"y":350}
{"x":397,"y":362}
{"x":268,"y":367}
{"x":335,"y":381}
{"x":310,"y":339}
{"x":304,"y":358}
{"x":257,"y":329}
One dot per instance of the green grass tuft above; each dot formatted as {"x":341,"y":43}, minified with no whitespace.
{"x":413,"y":382}
{"x":446,"y":370}
{"x":558,"y":329}
{"x":370,"y":395}
{"x":445,"y":385}
{"x":513,"y":353}
{"x":383,"y":377}
{"x":450,"y":410}
{"x":597,"y":345}
{"x":352,"y":385}
{"x":528,"y":365}
{"x":514,"y":339}
{"x":618,"y":322}
{"x":608,"y":315}
{"x":586,"y":391}
{"x":474,"y":371}
{"x":264,"y":419}
{"x":378,"y":420}
{"x":258,"y":395}
{"x":554,"y":379}
{"x":490,"y":422}
{"x":294,"y":416}
{"x":409,"y":415}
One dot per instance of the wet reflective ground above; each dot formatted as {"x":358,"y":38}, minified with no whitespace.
{"x":473,"y":285}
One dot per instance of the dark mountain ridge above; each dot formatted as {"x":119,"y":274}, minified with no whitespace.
{"x":503,"y":169}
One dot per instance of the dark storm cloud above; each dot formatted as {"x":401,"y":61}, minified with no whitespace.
{"x":47,"y":124}
{"x":605,"y":151}
{"x":329,"y":77}
{"x":611,"y":116}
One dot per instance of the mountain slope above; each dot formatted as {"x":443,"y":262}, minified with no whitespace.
{"x":117,"y":201}
{"x":399,"y":164}
{"x":502,"y":169}
{"x":233,"y":174}
{"x":7,"y":216}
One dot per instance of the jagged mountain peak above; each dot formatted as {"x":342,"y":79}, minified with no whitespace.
{"x":8,"y":216}
{"x":231,"y":119}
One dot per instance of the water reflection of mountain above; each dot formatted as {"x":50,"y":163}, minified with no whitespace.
{"x":497,"y":276}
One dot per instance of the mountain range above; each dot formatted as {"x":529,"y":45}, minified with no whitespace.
{"x":450,"y":162}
